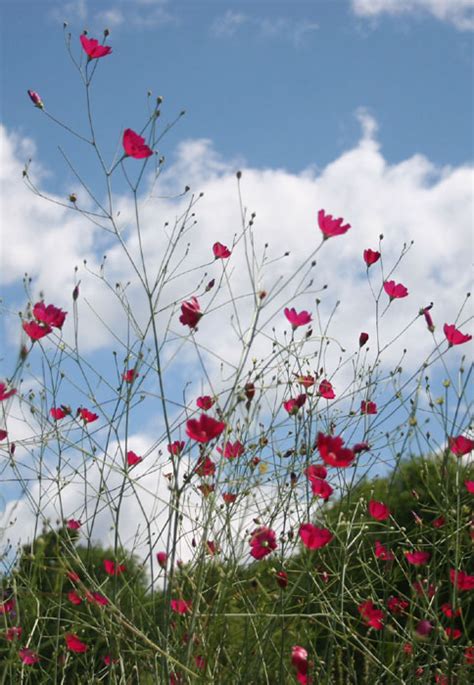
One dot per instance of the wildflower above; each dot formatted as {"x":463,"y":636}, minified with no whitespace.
{"x":313,"y":537}
{"x":13,"y":633}
{"x":326,"y":390}
{"x":299,"y":659}
{"x":175,"y":448}
{"x":370,"y":257}
{"x":35,"y":331}
{"x":454,"y":336}
{"x":439,"y":522}
{"x":49,"y":315}
{"x":36,"y":99}
{"x":205,"y":467}
{"x":449,"y":611}
{"x":417,"y":558}
{"x":297,"y":319}
{"x":97,"y":598}
{"x":229,"y":497}
{"x":133,"y":458}
{"x":331,"y":227}
{"x":73,"y":524}
{"x":162,"y":559}
{"x":395,"y":290}
{"x":134,"y":145}
{"x":58,"y":413}
{"x":332,"y":451}
{"x":428,"y":319}
{"x":3,"y":434}
{"x":282,"y":578}
{"x":307,"y":381}
{"x":74,"y":598}
{"x":113,"y":569}
{"x":28,"y":656}
{"x":461,"y":580}
{"x":205,"y":402}
{"x":92,"y":48}
{"x":4,"y":393}
{"x":190,"y":313}
{"x":130,"y":375}
{"x":361,"y":447}
{"x":382,"y":552}
{"x":321,"y":488}
{"x":204,"y":429}
{"x":469,"y":486}
{"x":86,"y":415}
{"x":294,"y":404}
{"x":221,"y":251}
{"x":74,"y":644}
{"x":262,"y":542}
{"x":372,"y":616}
{"x":424,"y":628}
{"x":316,"y":471}
{"x":378,"y":510}
{"x":181,"y":606}
{"x":396,"y":605}
{"x":232,"y":450}
{"x":461,"y":445}
{"x":363,"y":337}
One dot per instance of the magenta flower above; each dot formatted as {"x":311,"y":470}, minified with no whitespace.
{"x":205,"y":402}
{"x":372,"y":616}
{"x":36,"y":99}
{"x":162,"y":559}
{"x":461,"y":580}
{"x":92,"y":48}
{"x":428,"y":319}
{"x":378,"y":510}
{"x":326,"y":390}
{"x":49,"y":315}
{"x":368,"y":407}
{"x":469,"y":485}
{"x":297,"y":319}
{"x":263,"y":542}
{"x":417,"y":558}
{"x":74,"y":644}
{"x":35,"y":331}
{"x":454,"y":336}
{"x":299,"y":660}
{"x":232,"y":450}
{"x":382,"y":552}
{"x":331,"y":227}
{"x":190,"y":313}
{"x":321,"y":488}
{"x":221,"y":251}
{"x":130,"y":375}
{"x":316,"y":471}
{"x":371,"y":257}
{"x":113,"y":569}
{"x":181,"y":606}
{"x":28,"y":656}
{"x":86,"y":415}
{"x":395,"y":290}
{"x":133,"y":458}
{"x":313,"y":537}
{"x":175,"y":448}
{"x":134,"y":145}
{"x":204,"y":429}
{"x":332,"y":451}
{"x":293,"y":405}
{"x":73,"y":524}
{"x":461,"y":445}
{"x":4,"y":393}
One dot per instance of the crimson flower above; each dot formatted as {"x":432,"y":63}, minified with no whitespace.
{"x":368,"y":407}
{"x":13,"y":633}
{"x":331,"y":227}
{"x":205,"y":402}
{"x":461,"y":445}
{"x":204,"y":429}
{"x":92,"y":48}
{"x":454,"y":633}
{"x":113,"y":569}
{"x":395,"y":290}
{"x":417,"y":558}
{"x":58,"y":413}
{"x":439,"y":522}
{"x":3,"y":434}
{"x":461,"y":580}
{"x":28,"y":656}
{"x":74,"y":598}
{"x":332,"y":451}
{"x":382,"y":552}
{"x":232,"y":450}
{"x":449,"y":611}
{"x":190,"y":313}
{"x":4,"y":393}
{"x":221,"y":251}
{"x":263,"y":542}
{"x":321,"y":488}
{"x":454,"y":336}
{"x":49,"y":315}
{"x":35,"y":331}
{"x":297,"y":318}
{"x":307,"y":381}
{"x":326,"y":390}
{"x":130,"y":375}
{"x":469,"y":486}
{"x":86,"y":415}
{"x":372,"y":616}
{"x":313,"y":537}
{"x":299,"y":659}
{"x":97,"y":598}
{"x":316,"y":471}
{"x":294,"y":404}
{"x":205,"y":467}
{"x":428,"y":319}
{"x":396,"y":605}
{"x":134,"y":145}
{"x":361,"y":447}
{"x":378,"y":510}
{"x":363,"y":337}
{"x":162,"y":559}
{"x":74,"y":644}
{"x":73,"y":577}
{"x":133,"y":458}
{"x":73,"y":524}
{"x":181,"y":606}
{"x":175,"y":448}
{"x":36,"y":99}
{"x":229,"y":497}
{"x":370,"y":257}
{"x":282,"y":578}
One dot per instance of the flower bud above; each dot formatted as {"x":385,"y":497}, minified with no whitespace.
{"x":36,"y":99}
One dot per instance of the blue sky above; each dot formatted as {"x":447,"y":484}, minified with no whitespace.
{"x":361,"y":107}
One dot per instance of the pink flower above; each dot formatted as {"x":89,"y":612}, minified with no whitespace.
{"x":297,"y":319}
{"x":130,"y":375}
{"x":232,"y":450}
{"x":74,"y":644}
{"x":372,"y":616}
{"x":35,"y":331}
{"x":452,"y":633}
{"x":205,"y":402}
{"x":461,"y":445}
{"x":294,"y":404}
{"x":368,"y":407}
{"x":113,"y":569}
{"x":469,"y":486}
{"x":58,"y":413}
{"x":35,"y":99}
{"x":28,"y":656}
{"x":424,"y":628}
{"x":313,"y":537}
{"x":74,"y":598}
{"x":316,"y":471}
{"x":417,"y":558}
{"x":395,"y":290}
{"x":332,"y":451}
{"x":73,"y":577}
{"x":190,"y":313}
{"x":97,"y":598}
{"x":461,"y":580}
{"x":396,"y":605}
{"x":382,"y":552}
{"x":378,"y":510}
{"x":162,"y":559}
{"x":13,"y":633}
{"x":449,"y":611}
{"x":221,"y":251}
{"x":92,"y":48}
{"x":4,"y":393}
{"x":326,"y":390}
{"x":363,"y":337}
{"x":205,"y":467}
{"x":263,"y":542}
{"x":439,"y":522}
{"x":299,"y":659}
{"x":204,"y":429}
{"x":321,"y":488}
{"x":175,"y":448}
{"x":181,"y":606}
{"x":306,"y":381}
{"x":49,"y":315}
{"x":133,"y":458}
{"x":454,"y":336}
{"x":73,"y":524}
{"x":370,"y":257}
{"x":134,"y":145}
{"x":331,"y":227}
{"x":86,"y":415}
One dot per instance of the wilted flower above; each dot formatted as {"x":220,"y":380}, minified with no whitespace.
{"x":4,"y":393}
{"x":190,"y":313}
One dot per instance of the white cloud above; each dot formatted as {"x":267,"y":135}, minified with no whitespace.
{"x":460,"y":13}
{"x":281,"y":28}
{"x":228,"y":24}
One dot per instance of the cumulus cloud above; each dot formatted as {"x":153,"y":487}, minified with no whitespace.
{"x":460,"y":13}
{"x":230,"y":23}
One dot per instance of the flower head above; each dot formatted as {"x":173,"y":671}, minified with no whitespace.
{"x":35,"y":331}
{"x":181,"y":606}
{"x":175,"y":448}
{"x":454,"y":336}
{"x":86,"y":415}
{"x":36,"y":99}
{"x":313,"y":537}
{"x":49,"y":315}
{"x":332,"y":451}
{"x":417,"y":558}
{"x":190,"y":313}
{"x":130,"y":375}
{"x":326,"y":390}
{"x":28,"y":656}
{"x":461,"y":445}
{"x":204,"y":429}
{"x":371,"y":257}
{"x":221,"y":251}
{"x":382,"y":552}
{"x":92,"y":48}
{"x":74,"y":644}
{"x":297,"y":319}
{"x":113,"y":569}
{"x":372,"y":616}
{"x":299,"y":659}
{"x":4,"y":393}
{"x":73,"y":524}
{"x":331,"y":227}
{"x":368,"y":407}
{"x":162,"y":559}
{"x":135,"y":146}
{"x":378,"y":510}
{"x":363,"y":337}
{"x":205,"y":402}
{"x":232,"y":450}
{"x":294,"y":404}
{"x":263,"y":542}
{"x":395,"y":290}
{"x":461,"y":580}
{"x":133,"y":458}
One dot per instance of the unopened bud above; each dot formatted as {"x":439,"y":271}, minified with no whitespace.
{"x":36,"y":99}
